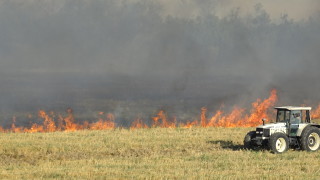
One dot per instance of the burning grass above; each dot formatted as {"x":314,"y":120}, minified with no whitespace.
{"x":238,"y":117}
{"x":155,"y":153}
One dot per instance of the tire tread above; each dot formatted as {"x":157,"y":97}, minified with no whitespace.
{"x":304,"y":137}
{"x":272,"y":142}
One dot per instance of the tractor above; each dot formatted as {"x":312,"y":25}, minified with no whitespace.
{"x":292,"y":128}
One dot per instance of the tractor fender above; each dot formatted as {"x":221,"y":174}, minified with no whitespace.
{"x":315,"y":125}
{"x":302,"y":128}
{"x":300,"y":132}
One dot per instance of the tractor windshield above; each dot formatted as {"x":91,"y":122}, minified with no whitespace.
{"x":283,"y":115}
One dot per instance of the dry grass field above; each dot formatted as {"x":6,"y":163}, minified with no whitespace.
{"x":155,"y":153}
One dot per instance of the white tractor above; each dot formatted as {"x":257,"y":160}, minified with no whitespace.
{"x":292,"y":128}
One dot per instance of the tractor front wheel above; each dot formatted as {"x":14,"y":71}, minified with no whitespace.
{"x":278,"y":143}
{"x":247,"y":142}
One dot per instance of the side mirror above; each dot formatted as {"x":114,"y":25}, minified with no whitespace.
{"x":263,"y":121}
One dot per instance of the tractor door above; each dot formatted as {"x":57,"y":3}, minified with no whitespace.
{"x":295,"y":120}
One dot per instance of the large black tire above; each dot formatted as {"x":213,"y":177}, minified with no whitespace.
{"x":278,"y":143}
{"x":247,"y":142}
{"x":310,"y":139}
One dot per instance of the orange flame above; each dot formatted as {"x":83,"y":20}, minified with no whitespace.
{"x":13,"y":125}
{"x":138,"y":124}
{"x":164,"y":123}
{"x":238,"y":117}
{"x":53,"y":122}
{"x":203,"y":117}
{"x":106,"y":122}
{"x":189,"y":124}
{"x":316,"y":113}
{"x":48,"y":123}
{"x":69,"y":121}
{"x":259,"y":109}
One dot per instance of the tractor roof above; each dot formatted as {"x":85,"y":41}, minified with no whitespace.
{"x":293,"y":108}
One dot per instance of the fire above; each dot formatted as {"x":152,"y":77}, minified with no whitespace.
{"x":13,"y":126}
{"x":316,"y":113}
{"x":189,"y":124}
{"x":161,"y":121}
{"x":232,"y":119}
{"x":259,"y":109}
{"x":48,"y":123}
{"x":237,"y":117}
{"x":69,"y":121}
{"x":138,"y":124}
{"x":105,"y":122}
{"x":203,"y":117}
{"x":35,"y":128}
{"x":214,"y":119}
{"x":56,"y":122}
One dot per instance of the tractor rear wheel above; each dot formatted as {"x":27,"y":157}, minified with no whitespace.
{"x":310,"y":139}
{"x":278,"y":143}
{"x":247,"y":142}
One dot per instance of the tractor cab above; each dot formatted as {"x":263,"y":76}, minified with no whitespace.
{"x":293,"y":115}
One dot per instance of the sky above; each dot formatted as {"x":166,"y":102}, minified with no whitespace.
{"x":214,"y":51}
{"x":296,"y":9}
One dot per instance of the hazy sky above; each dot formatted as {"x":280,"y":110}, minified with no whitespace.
{"x":296,"y":9}
{"x":49,"y":35}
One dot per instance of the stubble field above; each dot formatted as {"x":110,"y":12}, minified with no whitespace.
{"x":155,"y":153}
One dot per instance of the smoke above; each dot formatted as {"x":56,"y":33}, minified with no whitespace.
{"x":140,"y":56}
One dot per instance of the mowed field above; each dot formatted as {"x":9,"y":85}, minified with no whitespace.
{"x":155,"y":153}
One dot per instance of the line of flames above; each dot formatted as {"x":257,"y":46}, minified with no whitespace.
{"x":53,"y":122}
{"x":236,"y":118}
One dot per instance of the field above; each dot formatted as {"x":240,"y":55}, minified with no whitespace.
{"x":155,"y":153}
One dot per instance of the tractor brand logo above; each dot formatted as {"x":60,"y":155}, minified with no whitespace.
{"x":276,"y":130}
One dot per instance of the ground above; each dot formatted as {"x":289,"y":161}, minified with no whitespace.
{"x":155,"y":153}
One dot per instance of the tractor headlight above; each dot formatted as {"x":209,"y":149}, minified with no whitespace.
{"x":263,"y":132}
{"x":259,"y":131}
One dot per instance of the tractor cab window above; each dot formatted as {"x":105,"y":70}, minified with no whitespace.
{"x":295,"y":117}
{"x":305,"y":116}
{"x":283,"y":115}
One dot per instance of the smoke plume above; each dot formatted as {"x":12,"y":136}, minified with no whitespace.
{"x":135,"y":57}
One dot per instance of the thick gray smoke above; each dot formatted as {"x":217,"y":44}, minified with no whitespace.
{"x":134,"y":57}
